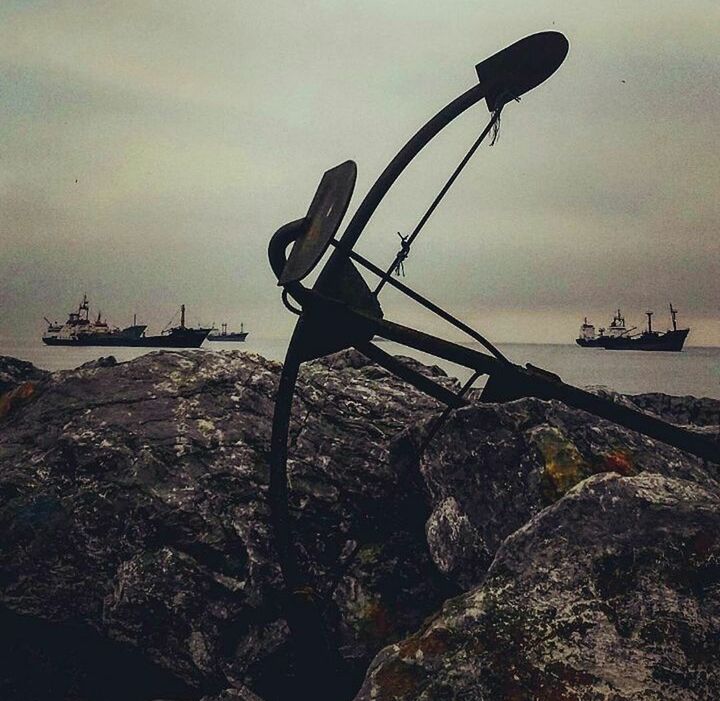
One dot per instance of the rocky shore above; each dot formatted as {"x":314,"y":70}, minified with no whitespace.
{"x":532,"y":552}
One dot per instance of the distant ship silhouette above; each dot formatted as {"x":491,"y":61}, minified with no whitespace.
{"x":618,"y":336}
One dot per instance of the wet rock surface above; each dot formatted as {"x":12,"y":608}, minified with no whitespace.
{"x":134,"y":525}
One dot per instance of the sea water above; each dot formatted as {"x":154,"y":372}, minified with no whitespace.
{"x":695,"y":371}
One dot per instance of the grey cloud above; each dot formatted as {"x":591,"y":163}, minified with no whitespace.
{"x":195,"y":130}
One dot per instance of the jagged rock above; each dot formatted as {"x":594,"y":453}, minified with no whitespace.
{"x":133,"y":511}
{"x":243,"y":694}
{"x":693,"y":411}
{"x":134,"y":505}
{"x":494,"y":466}
{"x":610,"y":594}
{"x":104,"y":361}
{"x":14,"y":372}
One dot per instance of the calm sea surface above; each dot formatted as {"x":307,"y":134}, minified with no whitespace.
{"x":695,"y":371}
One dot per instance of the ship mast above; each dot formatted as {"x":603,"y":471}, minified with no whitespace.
{"x":84,"y":307}
{"x":649,"y":316}
{"x":673,"y":314}
{"x":182,"y":316}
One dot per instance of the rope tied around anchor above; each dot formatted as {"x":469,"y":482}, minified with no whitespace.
{"x":397,"y":266}
{"x":401,"y":255}
{"x":506,"y":97}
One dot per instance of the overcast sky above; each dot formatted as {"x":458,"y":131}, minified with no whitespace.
{"x":149,"y":150}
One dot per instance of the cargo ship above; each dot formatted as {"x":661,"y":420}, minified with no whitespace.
{"x":80,"y":330}
{"x":228,"y":336}
{"x":618,"y":337}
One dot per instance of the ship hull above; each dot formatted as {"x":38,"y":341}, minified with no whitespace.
{"x":186,"y":339}
{"x":229,"y":337}
{"x":671,"y":341}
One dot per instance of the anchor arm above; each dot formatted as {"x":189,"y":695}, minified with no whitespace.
{"x":506,"y":75}
{"x":416,"y":379}
{"x":516,"y":382}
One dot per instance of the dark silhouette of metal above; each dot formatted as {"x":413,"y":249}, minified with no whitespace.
{"x":340,"y":311}
{"x":398,"y":266}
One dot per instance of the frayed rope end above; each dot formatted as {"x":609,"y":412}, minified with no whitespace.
{"x":496,"y":124}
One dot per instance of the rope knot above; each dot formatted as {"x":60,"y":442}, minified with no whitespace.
{"x":402,"y":254}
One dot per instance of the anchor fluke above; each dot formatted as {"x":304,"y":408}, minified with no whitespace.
{"x":520,"y":67}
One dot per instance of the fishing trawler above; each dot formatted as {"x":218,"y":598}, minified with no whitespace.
{"x":230,"y":336}
{"x":618,"y":337}
{"x":80,"y":330}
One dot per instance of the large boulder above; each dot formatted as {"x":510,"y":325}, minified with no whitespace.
{"x":494,"y":466}
{"x":610,"y":594}
{"x":134,"y":506}
{"x":135,"y":531}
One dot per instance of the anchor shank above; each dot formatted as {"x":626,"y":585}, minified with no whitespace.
{"x":394,"y":169}
{"x":431,"y":306}
{"x":670,"y":434}
{"x":522,"y":382}
{"x":416,"y":379}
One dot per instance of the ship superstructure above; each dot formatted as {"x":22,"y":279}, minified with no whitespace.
{"x":80,"y":330}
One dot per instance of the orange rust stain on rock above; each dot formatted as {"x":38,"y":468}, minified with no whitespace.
{"x":436,"y":643}
{"x":433,"y":644}
{"x":409,"y":647}
{"x":619,"y":461}
{"x":564,"y":465}
{"x":15,"y":397}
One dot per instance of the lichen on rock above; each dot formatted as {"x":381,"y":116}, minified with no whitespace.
{"x":612,"y":593}
{"x":532,"y":551}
